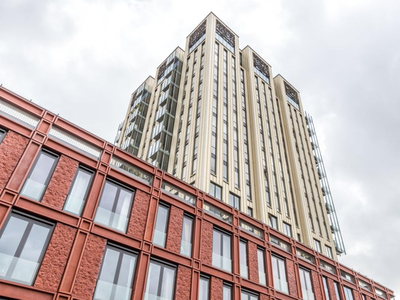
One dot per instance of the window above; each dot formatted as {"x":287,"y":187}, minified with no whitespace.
{"x":215,"y":191}
{"x":363,"y":297}
{"x":348,"y":293}
{"x":244,"y":270}
{"x":234,"y":201}
{"x":226,"y":292}
{"x":306,"y":286}
{"x":329,"y":252}
{"x":23,"y":242}
{"x":115,"y":206}
{"x":39,"y":176}
{"x":160,"y":232}
{"x":261,"y":267}
{"x":78,"y":192}
{"x":325,"y":282}
{"x":317,"y":246}
{"x":337,"y":290}
{"x":160,"y":281}
{"x":186,"y":241}
{"x":204,"y":288}
{"x":250,"y":211}
{"x":221,"y":257}
{"x":287,"y":229}
{"x":116,"y":275}
{"x":279,"y":273}
{"x":273,"y":222}
{"x":245,"y":295}
{"x":2,"y":134}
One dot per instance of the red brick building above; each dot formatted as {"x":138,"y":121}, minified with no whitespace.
{"x":82,"y":219}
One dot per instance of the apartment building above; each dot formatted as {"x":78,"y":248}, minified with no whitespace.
{"x":215,"y":117}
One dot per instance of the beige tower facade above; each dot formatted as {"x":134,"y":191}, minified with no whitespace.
{"x":215,"y":117}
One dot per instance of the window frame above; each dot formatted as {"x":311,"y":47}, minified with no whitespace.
{"x":261,"y":251}
{"x":317,"y":246}
{"x":3,"y":134}
{"x":221,"y":246}
{"x":122,"y":250}
{"x":213,"y":191}
{"x":244,"y":273}
{"x":303,"y":272}
{"x":119,"y":186}
{"x":31,"y":221}
{"x":234,"y":197}
{"x":278,"y":276}
{"x":270,"y":224}
{"x":168,"y":207}
{"x":326,"y":288}
{"x":337,"y":290}
{"x":88,"y":188}
{"x":287,"y":228}
{"x":207,"y":280}
{"x":249,"y":294}
{"x":49,"y":175}
{"x":226,"y":286}
{"x":350,"y":290}
{"x":162,"y":264}
{"x":187,"y":216}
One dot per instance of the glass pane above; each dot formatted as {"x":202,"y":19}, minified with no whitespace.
{"x":327,"y":296}
{"x":77,"y":195}
{"x":306,"y":288}
{"x":203,"y":289}
{"x":153,"y":281}
{"x":109,"y":266}
{"x":104,"y":211}
{"x":122,"y":210}
{"x":127,"y":270}
{"x":243,"y":259}
{"x":227,"y":293}
{"x":216,"y":258}
{"x":36,"y":183}
{"x":186,"y":243}
{"x":261,"y":267}
{"x":168,"y":284}
{"x":113,"y":268}
{"x":9,"y":242}
{"x":28,"y":263}
{"x":160,"y":232}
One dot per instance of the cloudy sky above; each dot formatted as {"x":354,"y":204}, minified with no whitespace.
{"x":82,"y":60}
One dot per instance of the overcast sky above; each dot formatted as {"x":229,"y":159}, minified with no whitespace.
{"x":83,"y":59}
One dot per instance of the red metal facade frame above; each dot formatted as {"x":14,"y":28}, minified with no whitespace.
{"x":72,"y":261}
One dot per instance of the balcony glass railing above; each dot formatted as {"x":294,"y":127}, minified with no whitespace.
{"x":108,"y":290}
{"x":18,"y":115}
{"x":131,"y":170}
{"x":221,"y":262}
{"x":281,"y":285}
{"x":178,"y":193}
{"x":215,"y":211}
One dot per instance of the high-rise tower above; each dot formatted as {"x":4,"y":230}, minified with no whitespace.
{"x":216,"y":118}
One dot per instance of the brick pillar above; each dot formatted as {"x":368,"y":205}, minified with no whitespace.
{"x":215,"y":288}
{"x":11,"y":149}
{"x":252,"y":262}
{"x":183,"y":280}
{"x":206,"y":243}
{"x":55,"y":259}
{"x":291,"y":278}
{"x":139,"y":214}
{"x":174,"y":234}
{"x":316,"y":286}
{"x":60,"y":183}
